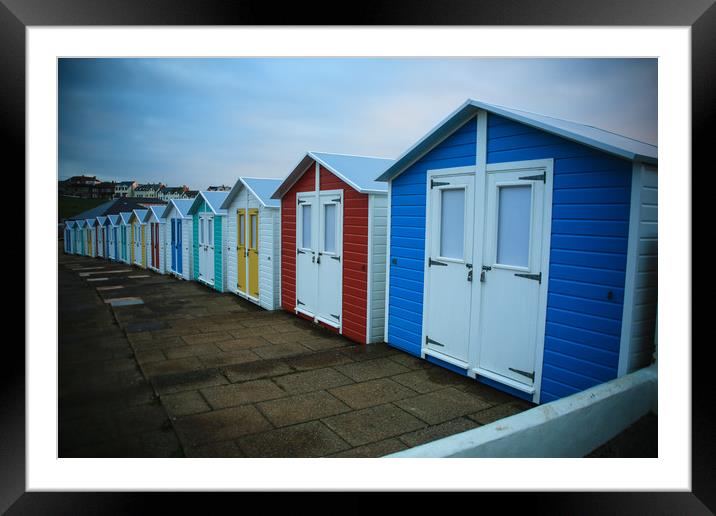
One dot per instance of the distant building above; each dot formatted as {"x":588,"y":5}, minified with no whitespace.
{"x":86,"y":187}
{"x":124,"y":188}
{"x":222,"y":188}
{"x":190,"y":194}
{"x":173,"y":192}
{"x":150,"y":190}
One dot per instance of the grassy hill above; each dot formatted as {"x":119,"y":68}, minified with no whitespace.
{"x":71,"y":206}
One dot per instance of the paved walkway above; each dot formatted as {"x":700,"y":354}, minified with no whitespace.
{"x":239,"y":381}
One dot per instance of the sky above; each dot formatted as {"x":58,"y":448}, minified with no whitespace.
{"x":204,"y":122}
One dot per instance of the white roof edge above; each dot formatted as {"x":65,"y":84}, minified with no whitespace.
{"x":285,"y":186}
{"x":393,"y":171}
{"x":230,"y":198}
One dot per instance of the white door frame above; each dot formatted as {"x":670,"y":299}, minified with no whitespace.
{"x":547,"y":165}
{"x":443,"y":172}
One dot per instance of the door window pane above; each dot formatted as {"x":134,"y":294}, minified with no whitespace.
{"x":242,"y":230}
{"x":513,"y":225}
{"x":210,"y":232}
{"x":329,"y":228}
{"x":254,"y":230}
{"x":201,"y":231}
{"x":306,"y":226}
{"x":452,"y":223}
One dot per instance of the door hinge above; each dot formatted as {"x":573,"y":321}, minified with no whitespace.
{"x":539,"y":177}
{"x":335,"y":316}
{"x":432,"y":262}
{"x":336,"y":200}
{"x":299,"y":201}
{"x":428,"y":340}
{"x":336,"y":258}
{"x":536,"y":277}
{"x":434,"y":183}
{"x":531,"y":375}
{"x":298,"y":302}
{"x":298,"y":251}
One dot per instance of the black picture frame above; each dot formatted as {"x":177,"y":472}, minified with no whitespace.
{"x":700,"y":15}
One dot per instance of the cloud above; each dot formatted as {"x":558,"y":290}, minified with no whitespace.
{"x":205,"y":121}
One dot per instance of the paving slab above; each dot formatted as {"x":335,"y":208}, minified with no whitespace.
{"x":318,"y":360}
{"x":434,"y":432}
{"x":280,"y":350}
{"x":311,"y":439}
{"x":301,"y":408}
{"x":431,"y":379}
{"x":373,"y":424}
{"x":241,"y":393}
{"x":372,"y":369}
{"x":442,"y":405}
{"x":379,"y":449}
{"x":256,"y":369}
{"x":491,"y":414}
{"x":315,"y":380}
{"x":185,"y":403}
{"x":372,"y":392}
{"x":220,"y":425}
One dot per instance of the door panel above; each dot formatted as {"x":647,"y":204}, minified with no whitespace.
{"x":241,"y":250}
{"x":328,"y":259}
{"x":210,"y":249}
{"x":173,"y":244}
{"x":306,"y":251}
{"x":253,"y":251}
{"x":179,"y":258}
{"x":450,"y":214}
{"x":143,"y":244}
{"x":512,"y":259}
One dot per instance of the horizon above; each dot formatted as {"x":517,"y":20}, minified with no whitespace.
{"x":204,"y":122}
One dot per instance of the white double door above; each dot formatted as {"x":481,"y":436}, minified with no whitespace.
{"x":319,"y":249}
{"x":206,"y":248}
{"x":484,"y":289}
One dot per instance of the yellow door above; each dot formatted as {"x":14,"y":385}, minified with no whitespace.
{"x":131,"y":243}
{"x":89,"y":241}
{"x":144,"y":248}
{"x":253,"y":231}
{"x":241,"y":250}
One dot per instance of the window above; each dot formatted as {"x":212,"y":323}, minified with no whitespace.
{"x":242,"y":230}
{"x":329,"y":228}
{"x":513,"y":225}
{"x":201,"y":231}
{"x":254,"y":230}
{"x":306,"y":226}
{"x":452,"y":223}
{"x":210,"y":231}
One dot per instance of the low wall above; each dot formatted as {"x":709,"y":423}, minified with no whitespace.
{"x":569,"y":427}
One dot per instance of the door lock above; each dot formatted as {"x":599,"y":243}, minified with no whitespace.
{"x":318,"y":260}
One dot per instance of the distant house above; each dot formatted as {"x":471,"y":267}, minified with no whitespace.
{"x":190,"y":194}
{"x":150,"y":190}
{"x":173,"y":192}
{"x":124,"y":188}
{"x":80,"y":186}
{"x":221,"y":188}
{"x":104,"y":190}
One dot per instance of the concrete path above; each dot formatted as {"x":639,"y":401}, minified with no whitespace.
{"x":239,"y":381}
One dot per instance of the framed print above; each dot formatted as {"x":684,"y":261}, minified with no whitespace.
{"x":291,"y":236}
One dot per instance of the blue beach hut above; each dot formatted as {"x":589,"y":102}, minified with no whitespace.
{"x":523,"y":251}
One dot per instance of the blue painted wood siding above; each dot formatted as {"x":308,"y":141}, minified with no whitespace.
{"x":590,"y":225}
{"x":407,"y":235}
{"x":590,"y":228}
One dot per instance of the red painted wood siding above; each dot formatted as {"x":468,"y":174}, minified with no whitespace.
{"x":355,"y":256}
{"x":307,"y":183}
{"x":355,"y":250}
